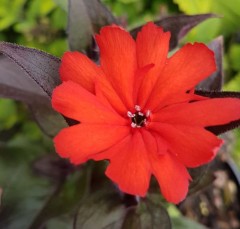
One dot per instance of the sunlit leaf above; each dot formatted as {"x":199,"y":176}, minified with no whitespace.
{"x":230,"y":10}
{"x":12,"y":14}
{"x":233,"y":84}
{"x":234,"y":56}
{"x":62,"y":3}
{"x":8,"y":114}
{"x":181,"y":222}
{"x":185,"y":223}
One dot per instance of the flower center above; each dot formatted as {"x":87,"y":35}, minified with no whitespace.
{"x":139,"y":119}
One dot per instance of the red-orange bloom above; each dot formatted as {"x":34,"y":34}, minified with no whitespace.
{"x":135,"y":110}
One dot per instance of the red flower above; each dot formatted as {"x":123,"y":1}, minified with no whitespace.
{"x":135,"y":110}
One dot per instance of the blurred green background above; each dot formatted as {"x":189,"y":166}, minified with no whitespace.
{"x":42,"y":24}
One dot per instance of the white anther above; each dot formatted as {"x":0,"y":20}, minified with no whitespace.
{"x":137,"y":107}
{"x":133,"y":125}
{"x":140,"y":113}
{"x":130,"y":114}
{"x":148,"y":113}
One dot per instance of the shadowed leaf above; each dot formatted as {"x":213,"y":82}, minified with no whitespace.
{"x":41,"y":67}
{"x":23,"y":192}
{"x":15,"y":84}
{"x":102,"y":209}
{"x":201,"y":177}
{"x":53,"y":167}
{"x":147,"y":214}
{"x":66,"y":198}
{"x":215,"y":81}
{"x":178,"y":25}
{"x":131,"y":220}
{"x":29,"y":75}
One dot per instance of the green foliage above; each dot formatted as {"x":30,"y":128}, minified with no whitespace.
{"x":38,"y":23}
{"x":134,"y":12}
{"x":8,"y":117}
{"x":229,"y":12}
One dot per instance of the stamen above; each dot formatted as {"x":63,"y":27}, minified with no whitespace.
{"x":137,"y":108}
{"x":140,"y":113}
{"x":133,"y":125}
{"x":148,"y":113}
{"x":130,"y":114}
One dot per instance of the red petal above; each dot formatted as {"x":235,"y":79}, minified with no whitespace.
{"x":183,"y":71}
{"x":172,"y":177}
{"x":118,"y":60}
{"x":204,"y":113}
{"x":80,"y":69}
{"x":152,"y":48}
{"x":75,"y":102}
{"x":105,"y":91}
{"x":193,"y":146}
{"x":129,"y":167}
{"x":81,"y":141}
{"x":112,"y":151}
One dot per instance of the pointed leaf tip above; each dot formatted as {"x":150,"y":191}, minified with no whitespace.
{"x":85,"y":18}
{"x":41,"y":67}
{"x":178,"y":25}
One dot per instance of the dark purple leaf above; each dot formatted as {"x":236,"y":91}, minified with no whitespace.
{"x":53,"y":167}
{"x":99,"y":14}
{"x":49,"y":121}
{"x":79,"y":28}
{"x":131,"y":219}
{"x":39,"y":66}
{"x":221,"y":94}
{"x":178,"y":25}
{"x":71,"y":190}
{"x":24,"y":194}
{"x":85,"y":18}
{"x":29,"y":75}
{"x":215,"y":81}
{"x":148,"y":214}
{"x":201,"y":177}
{"x":15,"y":84}
{"x":103,"y":207}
